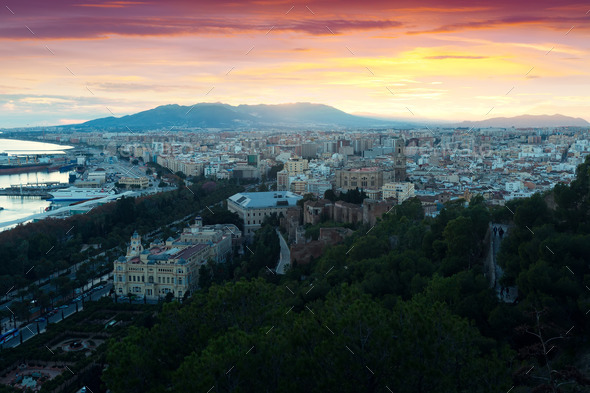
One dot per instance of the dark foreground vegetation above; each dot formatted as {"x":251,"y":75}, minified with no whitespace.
{"x":401,"y":307}
{"x":83,"y":366}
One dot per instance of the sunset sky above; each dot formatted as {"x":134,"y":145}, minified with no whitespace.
{"x":70,"y":61}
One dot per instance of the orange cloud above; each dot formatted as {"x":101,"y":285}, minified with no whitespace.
{"x":109,"y":4}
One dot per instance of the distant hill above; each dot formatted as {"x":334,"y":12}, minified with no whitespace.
{"x":217,"y":115}
{"x":526,"y":121}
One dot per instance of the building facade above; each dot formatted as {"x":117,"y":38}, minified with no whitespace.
{"x":158,"y":271}
{"x":298,"y":186}
{"x":364,"y":178}
{"x":283,"y":180}
{"x":309,"y":150}
{"x":295,"y":166}
{"x":245,"y":172}
{"x":220,"y":238}
{"x":398,"y":190}
{"x":253,"y":207}
{"x":131,"y":182}
{"x":172,"y":266}
{"x":399,"y":160}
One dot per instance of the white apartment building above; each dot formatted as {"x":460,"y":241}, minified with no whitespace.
{"x":399,"y":190}
{"x":296,"y":166}
{"x":211,"y":170}
{"x":513,"y":186}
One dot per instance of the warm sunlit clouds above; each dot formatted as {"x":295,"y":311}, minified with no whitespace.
{"x":68,"y":61}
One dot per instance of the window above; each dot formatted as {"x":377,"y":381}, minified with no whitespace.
{"x":179,"y":281}
{"x":129,"y":278}
{"x":142,"y":278}
{"x":151,"y":279}
{"x":120,"y":278}
{"x":159,"y":280}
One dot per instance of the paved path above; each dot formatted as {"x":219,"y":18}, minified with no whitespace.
{"x":509,"y":294}
{"x":30,"y":330}
{"x":285,"y":255}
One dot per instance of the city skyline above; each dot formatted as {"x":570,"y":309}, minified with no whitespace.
{"x":73,"y":62}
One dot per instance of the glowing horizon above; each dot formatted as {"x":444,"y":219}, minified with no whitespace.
{"x":68,"y":62}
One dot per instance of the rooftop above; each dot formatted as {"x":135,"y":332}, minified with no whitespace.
{"x":253,"y":200}
{"x":369,"y":169}
{"x":189,"y":251}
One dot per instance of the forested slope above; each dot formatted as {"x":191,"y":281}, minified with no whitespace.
{"x":400,"y":307}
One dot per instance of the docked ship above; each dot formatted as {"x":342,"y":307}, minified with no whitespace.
{"x":76,"y":194}
{"x":8,"y":169}
{"x":10,"y":165}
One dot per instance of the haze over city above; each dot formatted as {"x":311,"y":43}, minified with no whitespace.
{"x":454,"y":61}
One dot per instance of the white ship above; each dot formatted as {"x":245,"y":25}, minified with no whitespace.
{"x":74,"y":194}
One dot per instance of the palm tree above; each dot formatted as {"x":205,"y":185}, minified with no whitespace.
{"x":22,"y":311}
{"x":51,"y":295}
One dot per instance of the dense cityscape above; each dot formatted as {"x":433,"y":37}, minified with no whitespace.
{"x":278,"y":203}
{"x":261,"y":196}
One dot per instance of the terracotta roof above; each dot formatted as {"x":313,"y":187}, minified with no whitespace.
{"x":189,"y":251}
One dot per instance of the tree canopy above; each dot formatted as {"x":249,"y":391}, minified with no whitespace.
{"x":402,"y":306}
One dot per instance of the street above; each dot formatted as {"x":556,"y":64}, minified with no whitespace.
{"x":30,"y":330}
{"x":284,"y":256}
{"x":13,"y":293}
{"x":508,"y":294}
{"x":46,"y":287}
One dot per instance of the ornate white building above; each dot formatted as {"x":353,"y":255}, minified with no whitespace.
{"x":173,"y":266}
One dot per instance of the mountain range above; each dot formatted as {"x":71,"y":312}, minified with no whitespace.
{"x":217,"y":115}
{"x":297,"y":115}
{"x":528,"y":121}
